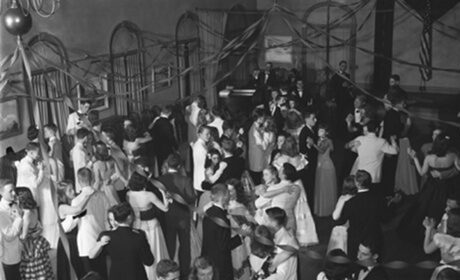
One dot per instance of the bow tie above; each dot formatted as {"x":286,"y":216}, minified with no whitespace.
{"x":12,"y":203}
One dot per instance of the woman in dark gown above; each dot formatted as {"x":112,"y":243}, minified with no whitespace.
{"x":431,"y":201}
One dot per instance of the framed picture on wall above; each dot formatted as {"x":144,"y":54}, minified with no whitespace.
{"x":97,"y":92}
{"x":161,"y":77}
{"x":278,"y":49}
{"x":10,"y":123}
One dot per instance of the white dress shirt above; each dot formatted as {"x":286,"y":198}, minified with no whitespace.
{"x":288,"y":269}
{"x":10,"y":227}
{"x":371,"y":150}
{"x":200,"y":152}
{"x":80,"y":158}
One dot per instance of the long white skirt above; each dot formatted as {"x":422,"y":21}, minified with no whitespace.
{"x":157,"y":243}
{"x":339,"y":239}
{"x":306,"y":228}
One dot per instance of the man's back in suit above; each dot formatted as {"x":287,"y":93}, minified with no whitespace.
{"x":178,"y":217}
{"x":376,"y":273}
{"x":165,"y":143}
{"x":363,"y":212}
{"x":218,"y":243}
{"x":129,"y":251}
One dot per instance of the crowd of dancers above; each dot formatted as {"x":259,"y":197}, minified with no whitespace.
{"x":234,"y":198}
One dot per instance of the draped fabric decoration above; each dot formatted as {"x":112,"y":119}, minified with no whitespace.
{"x":430,"y":11}
{"x":47,"y":81}
{"x":211,"y":43}
{"x":128,"y":70}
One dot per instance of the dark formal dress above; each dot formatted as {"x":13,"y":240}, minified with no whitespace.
{"x":178,"y":218}
{"x":217,"y":241}
{"x":308,"y":176}
{"x":165,"y":142}
{"x":129,"y":251}
{"x":430,"y":203}
{"x":392,"y":125}
{"x":363,"y":212}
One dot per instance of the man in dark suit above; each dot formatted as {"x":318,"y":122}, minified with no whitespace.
{"x":235,"y":164}
{"x":178,"y":216}
{"x":127,"y":248}
{"x":341,"y":90}
{"x":307,"y":138}
{"x":217,"y":241}
{"x":303,"y":99}
{"x":269,"y":76}
{"x":368,"y":255}
{"x":363,"y":212}
{"x":163,"y":134}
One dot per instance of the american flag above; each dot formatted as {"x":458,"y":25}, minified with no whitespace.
{"x":425,"y":46}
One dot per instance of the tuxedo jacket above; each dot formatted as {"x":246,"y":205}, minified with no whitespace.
{"x":218,"y":243}
{"x":163,"y":133}
{"x":311,"y":153}
{"x":234,"y":169}
{"x":392,"y":124}
{"x":363,"y":212}
{"x":377,"y":273}
{"x":129,"y":251}
{"x":183,"y":186}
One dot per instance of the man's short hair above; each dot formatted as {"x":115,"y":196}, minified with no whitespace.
{"x":174,"y":161}
{"x":32,"y":146}
{"x":219,"y":190}
{"x":52,"y":127}
{"x":84,"y":176}
{"x":166,"y":110}
{"x":165,"y":267}
{"x":82,"y":133}
{"x":228,"y":145}
{"x":258,"y":113}
{"x":121,"y":212}
{"x":277,"y":214}
{"x":371,"y":126}
{"x":342,"y":62}
{"x":363,"y":178}
{"x":308,"y":114}
{"x":374,"y":242}
{"x":202,"y":128}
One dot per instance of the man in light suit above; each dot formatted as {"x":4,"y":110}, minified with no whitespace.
{"x":10,"y":229}
{"x":200,"y":152}
{"x":79,"y":155}
{"x":287,"y":269}
{"x":371,"y":150}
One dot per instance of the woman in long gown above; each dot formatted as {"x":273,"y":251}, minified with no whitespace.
{"x":432,"y":199}
{"x":192,"y":112}
{"x":142,"y":202}
{"x":239,"y":214}
{"x":285,"y":195}
{"x":106,"y":172}
{"x":325,"y":179}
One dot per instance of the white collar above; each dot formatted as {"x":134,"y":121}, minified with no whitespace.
{"x":170,"y":170}
{"x":363,"y":190}
{"x":218,"y":205}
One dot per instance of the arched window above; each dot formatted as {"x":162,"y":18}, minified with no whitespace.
{"x":128,"y":68}
{"x":48,"y":61}
{"x":188,"y":54}
{"x":331,"y":28}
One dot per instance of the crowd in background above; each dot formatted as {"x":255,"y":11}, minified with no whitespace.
{"x":188,"y":192}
